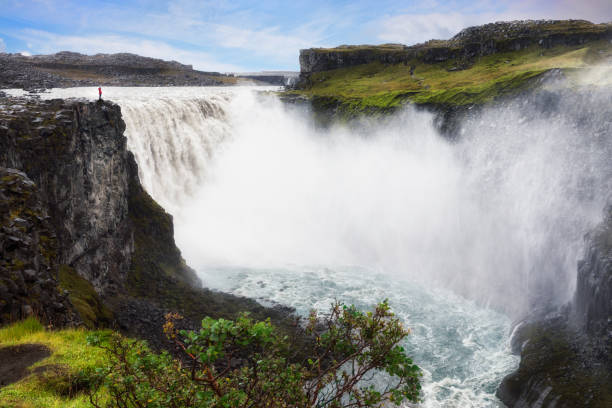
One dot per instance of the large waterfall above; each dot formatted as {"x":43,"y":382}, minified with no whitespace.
{"x":461,"y":235}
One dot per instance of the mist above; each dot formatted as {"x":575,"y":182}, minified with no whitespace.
{"x":498,"y":216}
{"x":462,"y":234}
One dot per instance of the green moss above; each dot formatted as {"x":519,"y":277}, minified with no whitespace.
{"x":378,"y":87}
{"x":84,"y":298}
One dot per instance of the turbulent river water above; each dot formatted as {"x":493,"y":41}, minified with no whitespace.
{"x":460,"y":235}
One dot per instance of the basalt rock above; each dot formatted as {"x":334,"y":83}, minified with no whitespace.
{"x":29,"y":255}
{"x":75,"y":153}
{"x":469,"y":44}
{"x":566,"y":358}
{"x":72,"y":232}
{"x":81,"y":240}
{"x":593,"y":299}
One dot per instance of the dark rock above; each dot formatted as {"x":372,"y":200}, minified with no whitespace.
{"x":26,"y":310}
{"x":30,"y":275}
{"x":24,"y":256}
{"x":93,"y":230}
{"x":566,"y":361}
{"x":471,"y":43}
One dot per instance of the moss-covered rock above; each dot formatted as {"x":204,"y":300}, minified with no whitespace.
{"x":560,"y":367}
{"x":84,"y":298}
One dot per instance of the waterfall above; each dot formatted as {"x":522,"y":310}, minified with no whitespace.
{"x":173,"y":140}
{"x":497,"y":216}
{"x":270,"y":206}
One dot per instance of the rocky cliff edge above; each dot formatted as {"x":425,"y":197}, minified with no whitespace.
{"x":81,"y":241}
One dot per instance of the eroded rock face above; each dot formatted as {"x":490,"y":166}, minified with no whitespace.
{"x":28,"y":255}
{"x":566,"y":358}
{"x":593,"y":299}
{"x":468,"y":44}
{"x":112,"y":254}
{"x":75,"y":153}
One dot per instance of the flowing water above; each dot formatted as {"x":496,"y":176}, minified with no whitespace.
{"x":461,"y":236}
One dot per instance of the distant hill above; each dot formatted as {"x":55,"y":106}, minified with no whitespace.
{"x":69,"y":69}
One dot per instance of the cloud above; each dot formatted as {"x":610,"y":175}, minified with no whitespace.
{"x":268,"y":42}
{"x":417,"y":28}
{"x":2,"y":45}
{"x":44,"y":42}
{"x":266,"y":34}
{"x":412,"y":28}
{"x":597,"y":11}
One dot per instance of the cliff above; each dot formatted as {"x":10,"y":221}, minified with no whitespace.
{"x":76,"y":155}
{"x":28,"y":255}
{"x":470,"y":43}
{"x":566,"y":356}
{"x":81,"y":240}
{"x":592,"y":306}
{"x":479,"y":65}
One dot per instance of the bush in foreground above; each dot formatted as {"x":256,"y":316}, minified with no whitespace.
{"x":244,"y":363}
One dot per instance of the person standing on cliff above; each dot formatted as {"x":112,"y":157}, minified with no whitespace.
{"x":99,"y":93}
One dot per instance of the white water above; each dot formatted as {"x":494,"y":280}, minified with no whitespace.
{"x":268,"y":206}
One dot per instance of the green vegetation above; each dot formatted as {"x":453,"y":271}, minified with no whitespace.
{"x":56,"y":381}
{"x":84,"y":298}
{"x":377,"y":87}
{"x":230,"y":363}
{"x":15,"y":332}
{"x":244,"y":363}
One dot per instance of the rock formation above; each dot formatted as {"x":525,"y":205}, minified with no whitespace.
{"x":28,"y":255}
{"x":470,"y":43}
{"x":566,"y":356}
{"x":81,"y":241}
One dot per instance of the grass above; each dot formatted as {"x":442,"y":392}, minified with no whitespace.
{"x":378,"y":86}
{"x":49,"y":388}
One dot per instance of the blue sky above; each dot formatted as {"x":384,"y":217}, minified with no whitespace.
{"x":249,"y":35}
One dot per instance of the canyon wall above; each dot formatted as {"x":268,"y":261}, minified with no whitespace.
{"x":469,"y":44}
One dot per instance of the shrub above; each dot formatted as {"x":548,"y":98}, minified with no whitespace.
{"x":245,"y":363}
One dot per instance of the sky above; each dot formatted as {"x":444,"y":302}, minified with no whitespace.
{"x":255,"y":35}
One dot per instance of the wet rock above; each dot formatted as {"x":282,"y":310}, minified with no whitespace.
{"x":566,"y":360}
